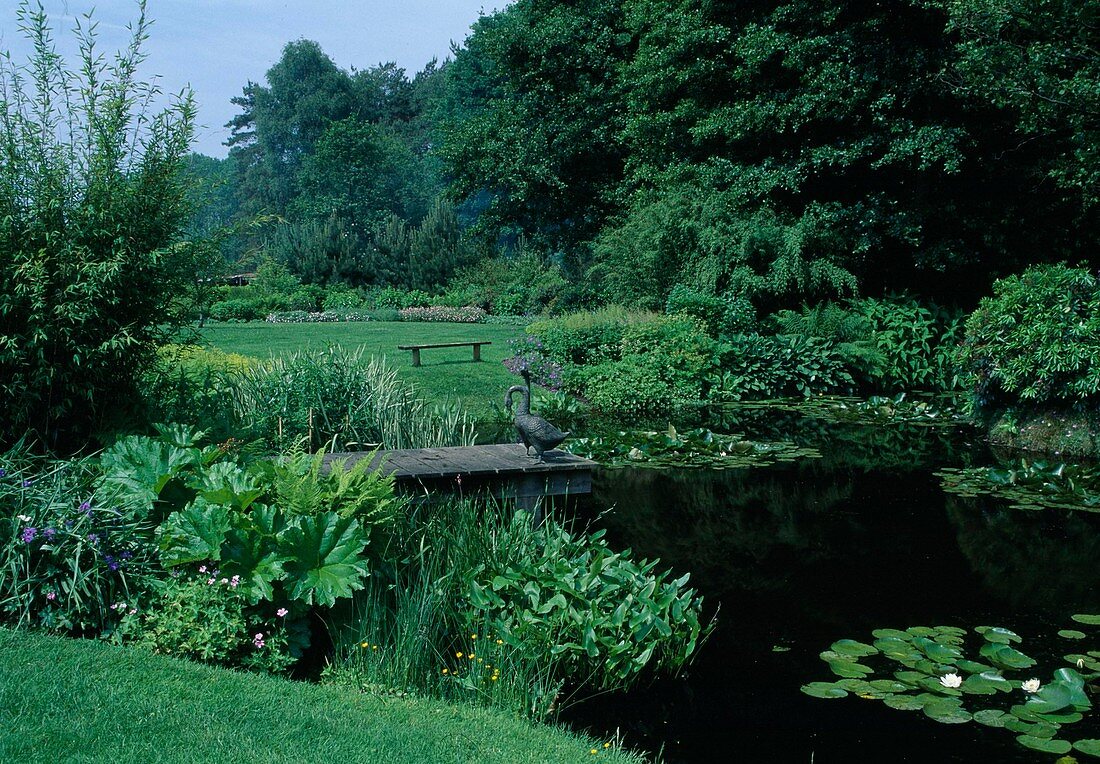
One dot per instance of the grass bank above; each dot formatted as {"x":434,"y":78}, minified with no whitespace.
{"x":446,"y":373}
{"x":65,"y":700}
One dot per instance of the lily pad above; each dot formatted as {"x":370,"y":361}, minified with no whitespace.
{"x":891,"y":634}
{"x":909,"y":677}
{"x":973,"y":667}
{"x":1044,"y":745}
{"x":888,"y":685}
{"x":850,"y":647}
{"x":992,"y":717}
{"x":849,"y":669}
{"x":1088,"y":746}
{"x":938,"y":652}
{"x":1004,"y":656}
{"x":1087,"y":619}
{"x":998,"y":635}
{"x":921,"y":631}
{"x":905,"y":702}
{"x":1071,"y":634}
{"x":895,"y":648}
{"x":947,"y":712}
{"x":824,"y":690}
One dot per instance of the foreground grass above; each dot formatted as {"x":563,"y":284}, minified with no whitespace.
{"x":66,"y":700}
{"x":446,"y":373}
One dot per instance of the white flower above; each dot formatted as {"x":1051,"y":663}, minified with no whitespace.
{"x":951,"y":680}
{"x":1031,"y":685}
{"x":24,"y":518}
{"x":1080,"y":663}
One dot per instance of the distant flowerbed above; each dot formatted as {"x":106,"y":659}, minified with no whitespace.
{"x":307,"y":317}
{"x":467,"y":315}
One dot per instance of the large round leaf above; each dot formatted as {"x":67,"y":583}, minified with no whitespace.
{"x":1004,"y":656}
{"x":1089,"y":747}
{"x":1044,"y":745}
{"x":1087,"y":619}
{"x":823,"y":690}
{"x":852,"y":648}
{"x":945,"y":711}
{"x":991,"y":717}
{"x":1071,"y":634}
{"x":997,"y":635}
{"x":905,"y":702}
{"x":323,"y":561}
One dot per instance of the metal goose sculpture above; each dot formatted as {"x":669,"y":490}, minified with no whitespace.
{"x":534,"y":431}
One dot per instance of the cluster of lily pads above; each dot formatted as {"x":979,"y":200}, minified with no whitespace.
{"x":925,"y":669}
{"x":897,"y":409}
{"x":1031,"y":484}
{"x":692,"y":448}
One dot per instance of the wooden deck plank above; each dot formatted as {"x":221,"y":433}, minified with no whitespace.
{"x":488,"y":460}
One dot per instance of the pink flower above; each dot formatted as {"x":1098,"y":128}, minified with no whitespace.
{"x":211,"y":581}
{"x":281,"y":612}
{"x":133,"y":611}
{"x":51,"y":595}
{"x":202,"y":569}
{"x":225,"y":580}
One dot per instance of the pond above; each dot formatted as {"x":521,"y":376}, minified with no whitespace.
{"x":799,"y":555}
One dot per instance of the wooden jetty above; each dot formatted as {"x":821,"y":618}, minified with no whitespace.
{"x":503,"y":470}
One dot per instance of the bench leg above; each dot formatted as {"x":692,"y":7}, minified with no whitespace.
{"x":416,"y":356}
{"x":477,"y":352}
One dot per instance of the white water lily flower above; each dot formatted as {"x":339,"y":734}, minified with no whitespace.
{"x":1030,"y":685}
{"x":951,"y":681}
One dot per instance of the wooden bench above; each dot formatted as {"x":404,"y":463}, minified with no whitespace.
{"x":417,"y":348}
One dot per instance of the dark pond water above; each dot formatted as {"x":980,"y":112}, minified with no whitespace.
{"x":797,"y":556}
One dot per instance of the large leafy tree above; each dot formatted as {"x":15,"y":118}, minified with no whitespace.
{"x":92,"y":206}
{"x":537,"y":119}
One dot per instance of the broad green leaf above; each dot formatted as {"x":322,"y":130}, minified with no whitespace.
{"x":1004,"y":656}
{"x":193,"y":535}
{"x":905,"y":702}
{"x":945,"y":711}
{"x":850,"y":647}
{"x":1088,"y":746}
{"x":1087,"y":619}
{"x":323,"y":558}
{"x":1044,"y":745}
{"x":991,"y":717}
{"x":824,"y":690}
{"x":1071,"y":634}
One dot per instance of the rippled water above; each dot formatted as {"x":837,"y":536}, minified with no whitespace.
{"x":797,"y":556}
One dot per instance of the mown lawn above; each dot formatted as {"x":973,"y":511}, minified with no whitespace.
{"x":64,"y":700}
{"x":446,"y":373}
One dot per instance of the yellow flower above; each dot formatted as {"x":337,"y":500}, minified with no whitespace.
{"x":374,"y":647}
{"x":479,"y":660}
{"x":445,"y":671}
{"x":473,"y":636}
{"x":472,"y":656}
{"x":593,"y":752}
{"x":363,"y":645}
{"x":500,"y":641}
{"x":493,"y":678}
{"x":458,"y":654}
{"x":607,"y":745}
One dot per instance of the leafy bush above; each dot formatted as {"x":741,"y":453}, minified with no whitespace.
{"x":337,"y":298}
{"x":757,"y":366}
{"x":606,"y":617}
{"x":916,"y":343}
{"x":396,"y":299}
{"x":508,"y":286}
{"x":205,"y":616}
{"x":91,"y":208}
{"x":1037,"y":339}
{"x":586,"y":337}
{"x":192,"y":385}
{"x":238,"y":310}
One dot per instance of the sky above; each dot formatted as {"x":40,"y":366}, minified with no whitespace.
{"x":216,"y":46}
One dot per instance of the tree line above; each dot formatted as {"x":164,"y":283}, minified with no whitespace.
{"x":777,"y":152}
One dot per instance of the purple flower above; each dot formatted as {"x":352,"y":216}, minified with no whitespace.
{"x":127,"y":555}
{"x":27,"y":483}
{"x":86,"y":507}
{"x":3,"y":473}
{"x":28,"y":535}
{"x":93,"y":538}
{"x":49,"y":533}
{"x":51,"y":596}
